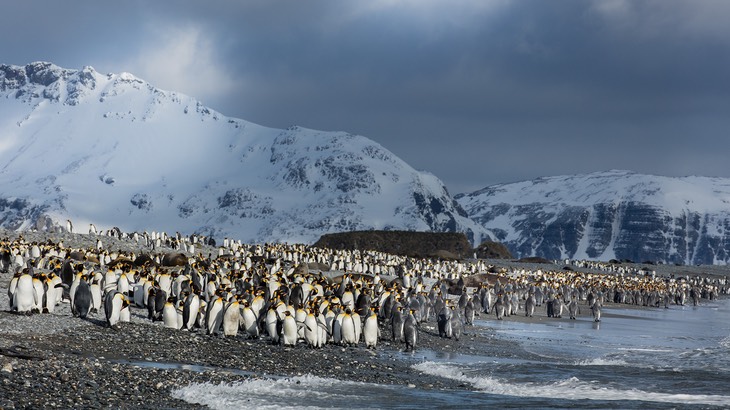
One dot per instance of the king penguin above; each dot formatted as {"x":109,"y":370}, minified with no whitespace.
{"x":169,"y":314}
{"x":190,"y":311}
{"x":288,"y":336}
{"x":214,"y":315}
{"x":349,"y":328}
{"x":82,"y":299}
{"x":371,"y":331}
{"x":410,"y":331}
{"x":232,"y":318}
{"x":456,"y":324}
{"x":396,"y":323}
{"x":573,"y":309}
{"x":25,"y":296}
{"x":311,"y":329}
{"x":444,"y":321}
{"x":250,"y":321}
{"x":113,"y":304}
{"x":499,"y":308}
{"x":469,"y":312}
{"x":530,"y":305}
{"x":596,"y":311}
{"x":95,"y":289}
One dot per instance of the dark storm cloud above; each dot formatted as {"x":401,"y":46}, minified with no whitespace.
{"x":476,"y":92}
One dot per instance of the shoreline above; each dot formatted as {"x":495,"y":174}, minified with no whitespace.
{"x":59,"y":361}
{"x":70,"y":362}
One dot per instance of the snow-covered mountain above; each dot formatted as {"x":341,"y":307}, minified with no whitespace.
{"x":609,"y":215}
{"x":115,"y":151}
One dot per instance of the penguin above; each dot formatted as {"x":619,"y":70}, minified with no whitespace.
{"x":337,"y":328}
{"x":123,"y":284}
{"x":151,"y":309}
{"x":69,"y":226}
{"x":288,"y":331}
{"x":573,"y":309}
{"x":349,"y":328}
{"x":387,"y":301}
{"x":425,"y":306}
{"x":169,"y":314}
{"x":159,"y":304}
{"x":469,"y":313}
{"x":322,"y":332}
{"x":190,"y":311}
{"x":250,"y":321}
{"x":444,"y":321}
{"x":72,"y":290}
{"x":371,"y":331}
{"x":410,"y":331}
{"x":530,"y":304}
{"x":311,"y":329}
{"x":138,"y":293}
{"x":299,"y":316}
{"x":12,"y":287}
{"x":499,"y":308}
{"x":596,"y":311}
{"x":83,"y":299}
{"x":329,"y":323}
{"x":463,"y":299}
{"x":455,"y":325}
{"x":125,"y":315}
{"x":200,"y":320}
{"x":357,"y":324}
{"x":39,"y":289}
{"x":397,"y":322}
{"x":550,"y":305}
{"x":92,"y":229}
{"x":363,"y":303}
{"x":25,"y":296}
{"x":214,"y":315}
{"x":438,"y":304}
{"x":232,"y":318}
{"x":96,"y":298}
{"x":558,"y":307}
{"x":53,"y":293}
{"x":113,"y":304}
{"x":68,"y":274}
{"x":110,"y":281}
{"x":272,"y":321}
{"x":164,"y":281}
{"x":348,"y":298}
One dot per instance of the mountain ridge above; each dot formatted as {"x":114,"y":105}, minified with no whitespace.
{"x":609,"y":215}
{"x":115,"y":151}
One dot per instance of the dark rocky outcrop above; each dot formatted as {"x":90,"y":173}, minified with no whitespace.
{"x":418,"y":244}
{"x":493,"y":250}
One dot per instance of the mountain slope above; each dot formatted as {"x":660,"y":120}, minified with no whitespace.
{"x":609,"y":215}
{"x":115,"y":151}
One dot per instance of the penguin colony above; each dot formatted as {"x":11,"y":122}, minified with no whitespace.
{"x":266,"y":291}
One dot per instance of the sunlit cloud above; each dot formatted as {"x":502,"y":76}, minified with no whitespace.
{"x":183,"y":59}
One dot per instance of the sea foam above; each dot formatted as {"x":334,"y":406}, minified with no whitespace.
{"x":302,"y":392}
{"x":567,"y":389}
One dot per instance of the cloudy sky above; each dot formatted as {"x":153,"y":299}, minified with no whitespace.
{"x":477,"y":92}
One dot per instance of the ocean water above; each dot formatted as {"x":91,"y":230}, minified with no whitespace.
{"x":658,"y":358}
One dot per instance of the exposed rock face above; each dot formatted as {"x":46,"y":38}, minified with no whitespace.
{"x":609,"y":215}
{"x":492,"y":250}
{"x":418,"y":244}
